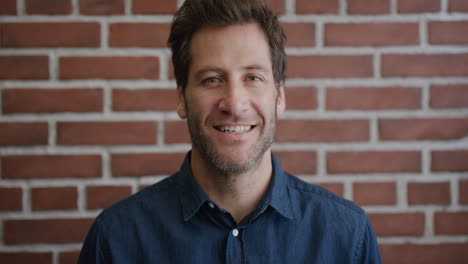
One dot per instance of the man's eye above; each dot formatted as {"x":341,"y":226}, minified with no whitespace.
{"x":254,"y":78}
{"x":211,"y":80}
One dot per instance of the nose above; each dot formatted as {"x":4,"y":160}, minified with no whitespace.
{"x":234,"y":99}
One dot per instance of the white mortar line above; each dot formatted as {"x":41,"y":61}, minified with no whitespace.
{"x":75,"y":8}
{"x":105,"y":33}
{"x":106,"y":165}
{"x":21,"y":8}
{"x":128,"y":7}
{"x":54,"y":70}
{"x":374,"y":130}
{"x":52,"y":140}
{"x":426,"y":98}
{"x":444,"y":4}
{"x":164,"y":67}
{"x":426,"y":161}
{"x":343,"y":7}
{"x":402,"y":194}
{"x":454,"y":192}
{"x":290,"y":7}
{"x":394,"y":7}
{"x":423,"y":33}
{"x":107,"y":100}
{"x":377,"y":65}
{"x":321,"y":163}
{"x":161,"y":133}
{"x":429,"y":220}
{"x":81,"y":202}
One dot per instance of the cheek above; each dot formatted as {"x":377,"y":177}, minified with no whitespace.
{"x":199,"y":106}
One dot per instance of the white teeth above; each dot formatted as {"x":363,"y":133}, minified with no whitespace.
{"x":234,"y":129}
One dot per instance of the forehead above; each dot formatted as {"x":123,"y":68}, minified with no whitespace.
{"x":230,"y":47}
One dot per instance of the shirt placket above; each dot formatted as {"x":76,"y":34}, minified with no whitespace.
{"x":235,"y":247}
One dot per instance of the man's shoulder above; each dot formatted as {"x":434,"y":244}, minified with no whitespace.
{"x":312,"y":195}
{"x":152,"y":198}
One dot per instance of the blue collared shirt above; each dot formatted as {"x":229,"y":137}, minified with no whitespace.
{"x":174,"y":221}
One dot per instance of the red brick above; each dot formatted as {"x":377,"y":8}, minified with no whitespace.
{"x":106,"y":133}
{"x":24,"y":67}
{"x":298,"y":162}
{"x":398,"y":224}
{"x":51,"y":166}
{"x":455,"y":223}
{"x":102,"y":7}
{"x":301,"y":98}
{"x":373,"y":98}
{"x":424,"y":253}
{"x":54,"y":198}
{"x":450,"y":160}
{"x":176,"y":132}
{"x":48,"y":7}
{"x":418,"y":6}
{"x":69,"y":257}
{"x":109,"y":68}
{"x":322,"y":130}
{"x":368,"y":7}
{"x":154,"y":6}
{"x":371,"y":34}
{"x":52,"y":100}
{"x":330,"y":66}
{"x":449,"y":96}
{"x":139,"y":35}
{"x":8,"y":7}
{"x":299,"y":34}
{"x":145,"y":164}
{"x":423,"y":129}
{"x":23,"y":133}
{"x":26,"y":257}
{"x":278,"y":6}
{"x":463,"y":191}
{"x":12,"y":199}
{"x":317,"y":6}
{"x":458,"y":6}
{"x":44,"y":35}
{"x":429,"y":193}
{"x":424,"y":65}
{"x":336,"y":188}
{"x":374,"y":193}
{"x":448,"y":32}
{"x":374,"y":162}
{"x":46,"y":231}
{"x":144,"y":100}
{"x":98,"y":197}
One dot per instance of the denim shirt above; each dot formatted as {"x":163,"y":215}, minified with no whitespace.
{"x":174,"y":221}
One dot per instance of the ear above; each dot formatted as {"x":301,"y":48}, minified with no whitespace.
{"x":281,"y":101}
{"x":181,"y":109}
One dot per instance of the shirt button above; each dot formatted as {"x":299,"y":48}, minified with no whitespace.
{"x":211,"y":205}
{"x":235,"y":232}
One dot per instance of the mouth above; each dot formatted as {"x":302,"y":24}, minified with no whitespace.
{"x":234,"y":129}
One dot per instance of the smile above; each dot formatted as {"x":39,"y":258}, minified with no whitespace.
{"x":234,"y":129}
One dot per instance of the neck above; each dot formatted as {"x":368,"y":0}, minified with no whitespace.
{"x":239,"y":194}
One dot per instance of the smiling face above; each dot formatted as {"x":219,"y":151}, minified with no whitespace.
{"x":231,"y":101}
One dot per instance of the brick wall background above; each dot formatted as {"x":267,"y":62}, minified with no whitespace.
{"x":377,"y":96}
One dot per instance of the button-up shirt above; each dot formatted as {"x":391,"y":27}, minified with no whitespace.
{"x":174,"y":221}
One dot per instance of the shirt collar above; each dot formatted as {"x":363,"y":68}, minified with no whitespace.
{"x":193,"y":197}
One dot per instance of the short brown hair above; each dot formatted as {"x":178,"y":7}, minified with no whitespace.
{"x":195,"y":14}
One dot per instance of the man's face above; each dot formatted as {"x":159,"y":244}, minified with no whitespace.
{"x":231,"y":101}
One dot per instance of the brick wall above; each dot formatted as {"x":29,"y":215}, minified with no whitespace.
{"x":377,"y":100}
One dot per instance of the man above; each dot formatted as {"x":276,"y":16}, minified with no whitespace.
{"x":230,"y":202}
